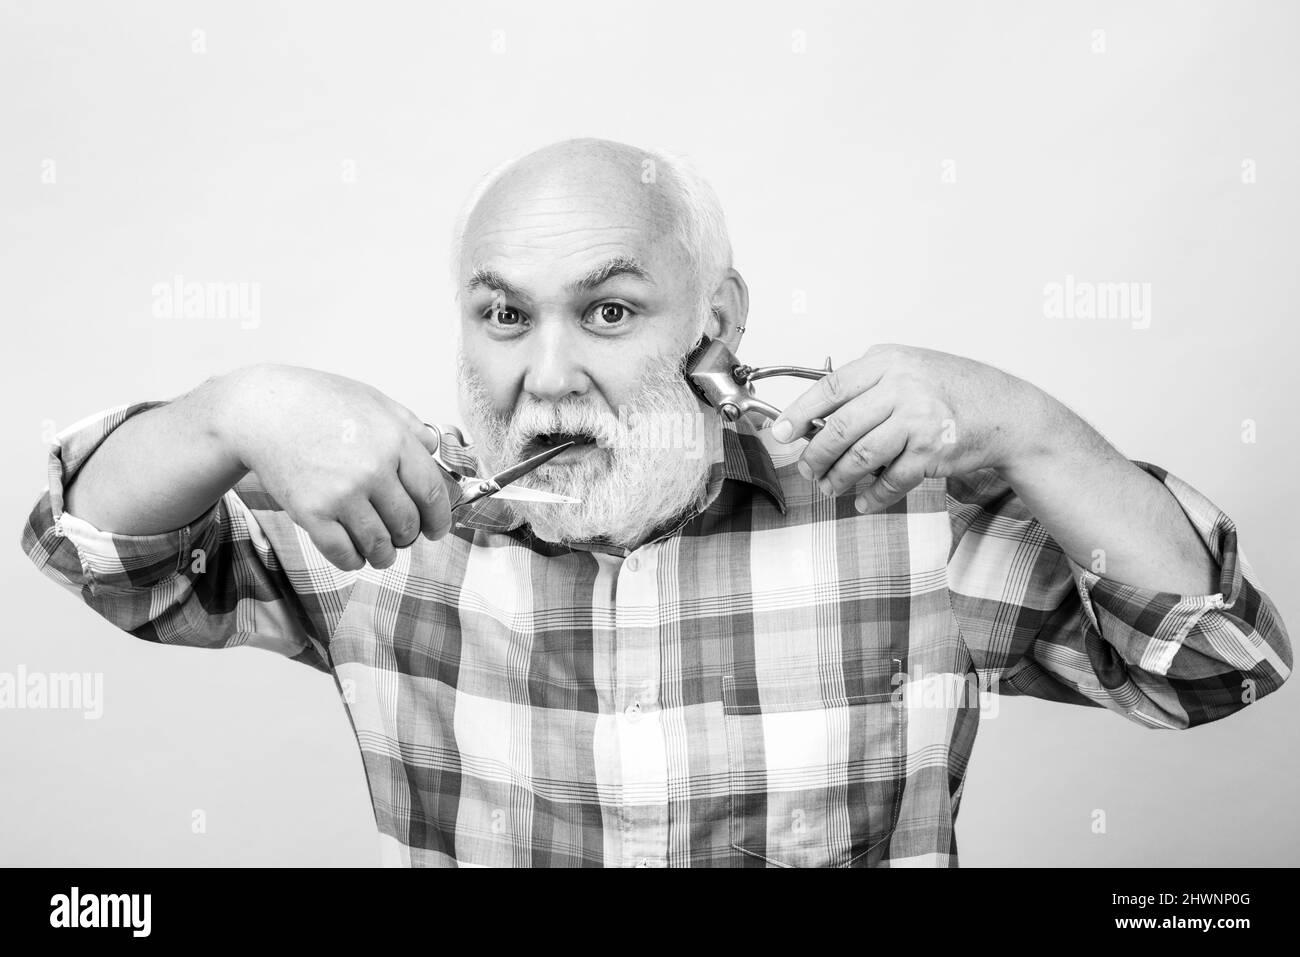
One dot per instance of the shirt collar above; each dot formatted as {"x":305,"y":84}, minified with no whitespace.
{"x":743,"y":459}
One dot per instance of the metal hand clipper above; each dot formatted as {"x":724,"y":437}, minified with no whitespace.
{"x":724,"y":382}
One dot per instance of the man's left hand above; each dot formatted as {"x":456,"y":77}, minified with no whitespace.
{"x":900,"y":414}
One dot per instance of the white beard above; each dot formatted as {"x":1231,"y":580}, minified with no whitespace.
{"x":650,"y":466}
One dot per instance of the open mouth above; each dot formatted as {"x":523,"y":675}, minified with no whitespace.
{"x":548,"y":440}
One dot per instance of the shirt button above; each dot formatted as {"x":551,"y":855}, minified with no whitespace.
{"x":633,"y":711}
{"x":633,"y":563}
{"x":644,"y":862}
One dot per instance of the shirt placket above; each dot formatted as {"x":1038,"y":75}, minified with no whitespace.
{"x":638,"y":716}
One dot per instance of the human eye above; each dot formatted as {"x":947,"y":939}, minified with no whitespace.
{"x":610,"y":315}
{"x":505,"y":318}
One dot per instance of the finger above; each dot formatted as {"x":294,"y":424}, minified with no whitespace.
{"x":397,"y":511}
{"x":904,"y":474}
{"x":428,"y":487}
{"x":826,"y":395}
{"x":332,"y":541}
{"x":427,"y":434}
{"x":429,"y":437}
{"x":369,"y":534}
{"x":872,"y":452}
{"x":843,"y":428}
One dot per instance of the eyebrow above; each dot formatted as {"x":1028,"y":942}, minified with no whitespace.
{"x":484,"y":278}
{"x":615,"y":266}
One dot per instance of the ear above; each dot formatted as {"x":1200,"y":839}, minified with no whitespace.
{"x":730,"y":303}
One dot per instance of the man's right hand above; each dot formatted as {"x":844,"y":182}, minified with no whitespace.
{"x":349,"y":465}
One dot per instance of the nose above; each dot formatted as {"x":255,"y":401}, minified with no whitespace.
{"x":555,"y":369}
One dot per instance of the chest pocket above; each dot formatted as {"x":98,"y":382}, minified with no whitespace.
{"x":814,"y":781}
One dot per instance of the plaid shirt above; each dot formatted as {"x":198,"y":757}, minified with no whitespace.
{"x":779,"y":680}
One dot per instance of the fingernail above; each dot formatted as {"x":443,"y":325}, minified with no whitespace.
{"x":804,"y":470}
{"x":781,"y":430}
{"x":860,"y":503}
{"x":825,"y":486}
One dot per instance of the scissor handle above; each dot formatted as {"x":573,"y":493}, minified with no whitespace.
{"x":437,"y":456}
{"x":471,"y":489}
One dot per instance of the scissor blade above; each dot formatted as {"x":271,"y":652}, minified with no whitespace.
{"x":527,"y":465}
{"x":519,"y":493}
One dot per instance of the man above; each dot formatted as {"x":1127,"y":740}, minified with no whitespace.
{"x":741,"y":646}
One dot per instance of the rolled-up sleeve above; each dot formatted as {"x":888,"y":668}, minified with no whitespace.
{"x":214,"y":583}
{"x":1036,"y":622}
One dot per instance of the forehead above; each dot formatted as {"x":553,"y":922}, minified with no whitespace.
{"x":551,"y":229}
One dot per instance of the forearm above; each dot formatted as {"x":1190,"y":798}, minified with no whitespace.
{"x":1105,"y":512}
{"x":160,"y":469}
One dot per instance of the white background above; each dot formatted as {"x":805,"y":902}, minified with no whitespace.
{"x":228,"y":165}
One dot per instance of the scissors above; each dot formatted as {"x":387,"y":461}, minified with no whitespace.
{"x":473,"y":489}
{"x":727,"y":384}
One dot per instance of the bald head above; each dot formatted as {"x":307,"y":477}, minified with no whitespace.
{"x":620,"y":186}
{"x":608,"y":172}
